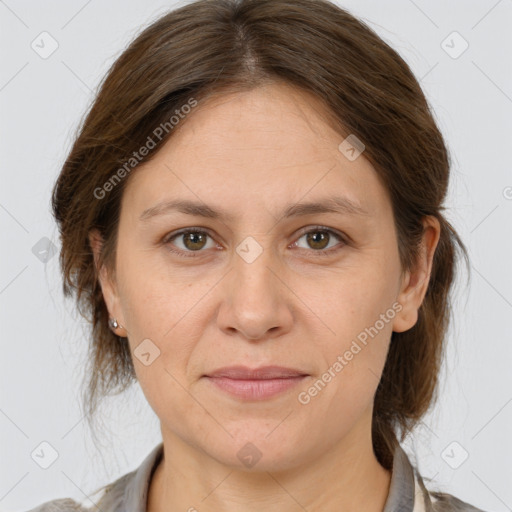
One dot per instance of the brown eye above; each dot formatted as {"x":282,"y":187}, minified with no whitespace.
{"x":318,"y":239}
{"x":189,"y":241}
{"x":321,"y":241}
{"x":194,"y":241}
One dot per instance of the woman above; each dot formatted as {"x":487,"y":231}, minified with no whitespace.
{"x":252,"y":216}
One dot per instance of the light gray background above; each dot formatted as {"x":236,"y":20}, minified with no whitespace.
{"x":42,"y":101}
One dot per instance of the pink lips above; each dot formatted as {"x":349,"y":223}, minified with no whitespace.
{"x":255,"y":384}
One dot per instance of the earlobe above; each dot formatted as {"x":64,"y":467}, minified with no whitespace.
{"x":405,"y":319}
{"x":407,"y":316}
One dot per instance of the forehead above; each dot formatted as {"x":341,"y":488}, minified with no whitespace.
{"x":275,"y":117}
{"x":266,"y":146}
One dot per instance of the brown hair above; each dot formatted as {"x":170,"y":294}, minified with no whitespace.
{"x":213,"y":46}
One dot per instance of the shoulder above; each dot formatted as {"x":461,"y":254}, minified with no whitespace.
{"x":60,"y":505}
{"x":437,"y":501}
{"x":443,"y":502}
{"x":108,"y":498}
{"x":127,"y":492}
{"x":409,"y":491}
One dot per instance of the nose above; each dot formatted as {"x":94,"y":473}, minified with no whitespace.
{"x":256,"y":302}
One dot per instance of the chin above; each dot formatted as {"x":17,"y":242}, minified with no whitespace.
{"x":256,"y":450}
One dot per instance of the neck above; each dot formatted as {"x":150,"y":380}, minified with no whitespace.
{"x":344,"y":477}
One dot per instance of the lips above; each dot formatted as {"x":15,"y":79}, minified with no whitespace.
{"x":244,"y":383}
{"x":263,"y":373}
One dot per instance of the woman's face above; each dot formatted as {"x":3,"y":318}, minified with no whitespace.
{"x":253,"y":288}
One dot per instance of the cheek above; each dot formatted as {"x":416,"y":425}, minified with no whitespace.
{"x":359,"y":311}
{"x":354,"y":302}
{"x":154,"y":296}
{"x":169,"y":308}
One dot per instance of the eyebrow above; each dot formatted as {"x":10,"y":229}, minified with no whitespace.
{"x":334,"y":204}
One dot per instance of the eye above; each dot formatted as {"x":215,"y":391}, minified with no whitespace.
{"x":192,"y":240}
{"x":188,"y":241}
{"x":319,"y":240}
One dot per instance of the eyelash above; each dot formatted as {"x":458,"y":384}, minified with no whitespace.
{"x":192,"y":254}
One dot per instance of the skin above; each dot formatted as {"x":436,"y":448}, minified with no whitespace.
{"x":252,"y":154}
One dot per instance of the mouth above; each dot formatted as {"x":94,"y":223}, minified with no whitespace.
{"x":255,"y":384}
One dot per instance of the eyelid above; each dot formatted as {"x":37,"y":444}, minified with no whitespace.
{"x":194,"y":229}
{"x":345,"y":239}
{"x":342,"y":236}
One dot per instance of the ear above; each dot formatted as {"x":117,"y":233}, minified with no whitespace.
{"x":108,"y":283}
{"x":415,"y":283}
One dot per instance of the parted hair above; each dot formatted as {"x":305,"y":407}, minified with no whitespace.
{"x":211,"y":47}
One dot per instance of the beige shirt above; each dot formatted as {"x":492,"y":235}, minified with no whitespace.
{"x":128,"y":493}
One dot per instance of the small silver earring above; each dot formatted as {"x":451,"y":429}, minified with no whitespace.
{"x":112,"y":322}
